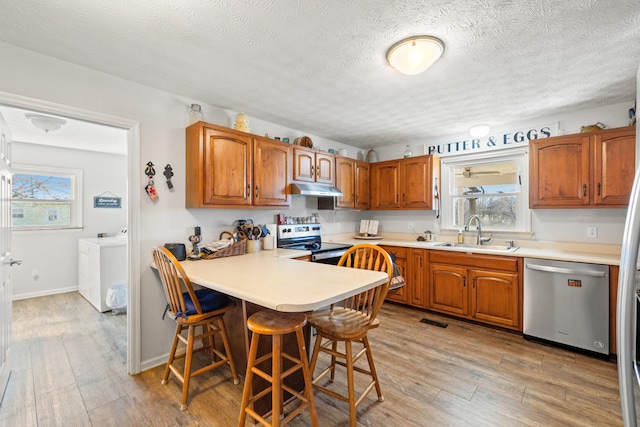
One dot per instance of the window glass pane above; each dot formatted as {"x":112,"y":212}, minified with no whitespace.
{"x":44,"y":198}
{"x":496,"y":212}
{"x":491,"y":178}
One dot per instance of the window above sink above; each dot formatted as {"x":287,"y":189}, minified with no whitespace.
{"x":490,"y":185}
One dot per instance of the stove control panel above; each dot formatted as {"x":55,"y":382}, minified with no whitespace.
{"x":290,"y":231}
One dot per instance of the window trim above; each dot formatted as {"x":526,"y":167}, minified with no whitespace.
{"x":520,"y":155}
{"x":76,"y":176}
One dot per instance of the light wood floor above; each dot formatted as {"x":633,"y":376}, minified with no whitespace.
{"x":70,"y":370}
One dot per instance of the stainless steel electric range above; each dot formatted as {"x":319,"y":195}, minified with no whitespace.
{"x":307,"y":237}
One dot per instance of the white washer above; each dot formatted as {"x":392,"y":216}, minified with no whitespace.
{"x":102,"y":263}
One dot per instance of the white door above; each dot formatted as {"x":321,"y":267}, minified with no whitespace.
{"x":5,"y":258}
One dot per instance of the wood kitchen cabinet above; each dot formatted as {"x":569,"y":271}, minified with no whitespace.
{"x":313,"y":166}
{"x":405,"y":183}
{"x":585,"y":170}
{"x":227,"y":168}
{"x":484,"y":288}
{"x":413,"y":265}
{"x":399,"y":255}
{"x":352,"y":178}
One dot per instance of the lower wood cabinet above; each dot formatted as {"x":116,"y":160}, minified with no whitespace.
{"x":413,"y":266}
{"x":479,"y":287}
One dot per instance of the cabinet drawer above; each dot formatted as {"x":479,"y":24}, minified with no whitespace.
{"x":398,"y":251}
{"x":494,"y":262}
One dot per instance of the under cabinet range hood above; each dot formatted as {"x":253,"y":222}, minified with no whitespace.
{"x":314,"y":190}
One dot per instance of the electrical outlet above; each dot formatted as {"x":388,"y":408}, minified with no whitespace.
{"x":592,"y":231}
{"x":35,"y":273}
{"x":410,"y":225}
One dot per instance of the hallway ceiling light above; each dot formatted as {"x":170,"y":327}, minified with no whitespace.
{"x":479,"y":131}
{"x":414,"y":55}
{"x":45,"y":123}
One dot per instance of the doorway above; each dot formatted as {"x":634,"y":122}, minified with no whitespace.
{"x":130,"y":199}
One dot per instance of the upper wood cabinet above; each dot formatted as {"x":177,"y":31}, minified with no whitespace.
{"x":594,"y":169}
{"x":313,"y":166}
{"x":405,"y":183}
{"x":352,"y":178}
{"x":227,"y":168}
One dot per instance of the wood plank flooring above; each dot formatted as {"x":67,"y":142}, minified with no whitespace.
{"x":70,"y":370}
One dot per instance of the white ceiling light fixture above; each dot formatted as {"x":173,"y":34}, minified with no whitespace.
{"x":45,"y":123}
{"x":414,"y":55}
{"x":479,"y":131}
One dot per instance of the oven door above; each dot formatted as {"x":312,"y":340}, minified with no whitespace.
{"x":329,"y":257}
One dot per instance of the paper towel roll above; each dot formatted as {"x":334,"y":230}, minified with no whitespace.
{"x":269,"y":241}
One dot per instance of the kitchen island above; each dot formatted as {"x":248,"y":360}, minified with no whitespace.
{"x":277,"y":281}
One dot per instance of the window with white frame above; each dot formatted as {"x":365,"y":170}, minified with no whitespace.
{"x":43,"y":197}
{"x":490,"y":185}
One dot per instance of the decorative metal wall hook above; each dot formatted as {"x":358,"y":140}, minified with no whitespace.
{"x":168,"y":173}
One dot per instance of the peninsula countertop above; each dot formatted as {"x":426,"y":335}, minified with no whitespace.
{"x":273,"y":280}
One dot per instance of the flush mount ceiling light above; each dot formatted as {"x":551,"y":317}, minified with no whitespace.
{"x":479,"y":131}
{"x":45,"y":123}
{"x":415,"y":54}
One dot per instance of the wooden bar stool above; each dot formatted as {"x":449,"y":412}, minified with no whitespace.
{"x":277,"y":324}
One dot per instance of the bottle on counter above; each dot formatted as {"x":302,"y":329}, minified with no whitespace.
{"x":460,"y":237}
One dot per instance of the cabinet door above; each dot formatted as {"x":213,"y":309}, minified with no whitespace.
{"x":400,"y":295}
{"x":345,"y":181}
{"x":385,"y":185}
{"x":271,"y":172}
{"x":362,"y":185}
{"x":559,"y":172}
{"x":227,"y":169}
{"x":325,"y":169}
{"x":495,"y":297}
{"x":614,"y":166}
{"x":448,"y":291}
{"x":303,"y":165}
{"x":417,"y":283}
{"x":416,"y":183}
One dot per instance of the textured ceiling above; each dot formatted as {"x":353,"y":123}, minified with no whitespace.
{"x":319,"y":65}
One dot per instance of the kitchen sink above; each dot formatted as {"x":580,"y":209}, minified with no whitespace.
{"x":483,"y":247}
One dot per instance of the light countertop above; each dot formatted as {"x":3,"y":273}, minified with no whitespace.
{"x":273,"y":280}
{"x":576,"y":252}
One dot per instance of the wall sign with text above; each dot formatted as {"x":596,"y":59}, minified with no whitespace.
{"x":510,"y":139}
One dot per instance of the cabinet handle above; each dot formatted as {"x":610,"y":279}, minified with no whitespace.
{"x":420,"y":262}
{"x":312,"y":170}
{"x":464,"y":281}
{"x":584,"y":190}
{"x":256,"y":191}
{"x":474,"y":282}
{"x":599,"y":185}
{"x":248,"y":192}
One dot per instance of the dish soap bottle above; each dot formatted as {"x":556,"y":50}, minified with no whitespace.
{"x":460,"y":237}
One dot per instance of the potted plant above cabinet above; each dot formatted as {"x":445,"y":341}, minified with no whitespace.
{"x":226,"y":168}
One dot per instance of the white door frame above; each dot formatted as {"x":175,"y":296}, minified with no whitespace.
{"x":133,"y":204}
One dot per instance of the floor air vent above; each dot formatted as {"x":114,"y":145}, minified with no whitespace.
{"x":434,"y":323}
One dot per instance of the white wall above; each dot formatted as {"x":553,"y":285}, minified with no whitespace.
{"x":54,"y":253}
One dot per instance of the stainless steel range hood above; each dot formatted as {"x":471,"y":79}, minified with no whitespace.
{"x":315,"y":190}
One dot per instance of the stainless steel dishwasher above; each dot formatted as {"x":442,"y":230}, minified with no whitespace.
{"x":567,"y":303}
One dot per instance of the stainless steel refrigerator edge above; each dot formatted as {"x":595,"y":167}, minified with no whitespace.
{"x":627,"y":307}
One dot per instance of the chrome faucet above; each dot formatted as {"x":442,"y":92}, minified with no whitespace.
{"x":480,"y":239}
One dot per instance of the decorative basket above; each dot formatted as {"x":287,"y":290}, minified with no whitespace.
{"x":237,"y":248}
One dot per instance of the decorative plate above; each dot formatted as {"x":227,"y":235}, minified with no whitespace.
{"x":304,"y":141}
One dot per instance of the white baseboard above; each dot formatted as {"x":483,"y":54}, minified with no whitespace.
{"x":153,"y":362}
{"x":17,"y":297}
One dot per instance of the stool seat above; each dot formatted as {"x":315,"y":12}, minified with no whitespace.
{"x":276,"y":324}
